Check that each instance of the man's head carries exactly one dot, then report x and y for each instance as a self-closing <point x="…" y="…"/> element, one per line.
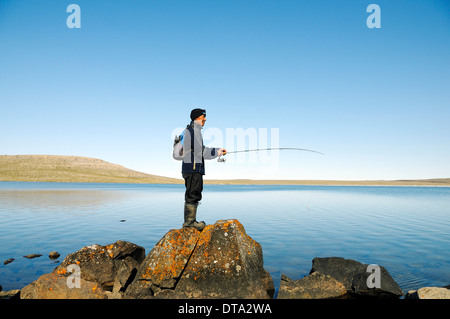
<point x="199" y="116"/>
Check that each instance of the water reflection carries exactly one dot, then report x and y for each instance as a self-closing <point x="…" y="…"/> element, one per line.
<point x="54" y="201"/>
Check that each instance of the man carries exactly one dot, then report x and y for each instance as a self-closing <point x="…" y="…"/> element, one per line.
<point x="193" y="167"/>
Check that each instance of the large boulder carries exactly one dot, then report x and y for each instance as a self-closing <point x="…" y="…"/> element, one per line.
<point x="222" y="261"/>
<point x="93" y="272"/>
<point x="354" y="276"/>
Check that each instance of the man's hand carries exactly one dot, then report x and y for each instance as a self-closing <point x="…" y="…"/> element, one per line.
<point x="222" y="152"/>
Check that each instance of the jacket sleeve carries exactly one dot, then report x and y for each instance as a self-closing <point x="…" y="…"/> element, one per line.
<point x="210" y="152"/>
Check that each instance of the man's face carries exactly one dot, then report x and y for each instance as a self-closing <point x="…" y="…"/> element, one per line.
<point x="201" y="120"/>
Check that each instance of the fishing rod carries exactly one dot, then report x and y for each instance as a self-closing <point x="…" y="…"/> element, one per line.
<point x="221" y="159"/>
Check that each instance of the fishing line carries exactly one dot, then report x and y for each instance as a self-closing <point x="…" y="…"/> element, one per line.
<point x="221" y="159"/>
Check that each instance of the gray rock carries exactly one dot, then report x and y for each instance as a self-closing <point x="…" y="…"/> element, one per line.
<point x="354" y="275"/>
<point x="125" y="273"/>
<point x="100" y="264"/>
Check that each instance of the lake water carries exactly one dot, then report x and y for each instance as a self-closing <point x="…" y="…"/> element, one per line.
<point x="405" y="229"/>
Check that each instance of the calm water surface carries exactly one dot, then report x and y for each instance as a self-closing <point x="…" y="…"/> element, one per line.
<point x="405" y="229"/>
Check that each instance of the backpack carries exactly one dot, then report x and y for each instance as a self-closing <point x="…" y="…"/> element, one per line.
<point x="178" y="152"/>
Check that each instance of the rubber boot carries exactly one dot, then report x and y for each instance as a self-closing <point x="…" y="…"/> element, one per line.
<point x="190" y="214"/>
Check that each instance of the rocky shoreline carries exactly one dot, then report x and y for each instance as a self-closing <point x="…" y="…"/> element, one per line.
<point x="221" y="262"/>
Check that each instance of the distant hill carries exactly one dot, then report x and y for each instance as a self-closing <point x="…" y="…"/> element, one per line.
<point x="53" y="168"/>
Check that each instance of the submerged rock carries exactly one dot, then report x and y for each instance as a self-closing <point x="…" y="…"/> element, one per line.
<point x="31" y="256"/>
<point x="53" y="255"/>
<point x="222" y="261"/>
<point x="8" y="261"/>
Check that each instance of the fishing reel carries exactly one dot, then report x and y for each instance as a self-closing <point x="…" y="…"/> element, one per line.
<point x="221" y="159"/>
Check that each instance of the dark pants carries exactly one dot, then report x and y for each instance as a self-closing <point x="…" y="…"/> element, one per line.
<point x="194" y="187"/>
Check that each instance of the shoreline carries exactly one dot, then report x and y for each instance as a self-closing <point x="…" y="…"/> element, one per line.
<point x="254" y="183"/>
<point x="402" y="183"/>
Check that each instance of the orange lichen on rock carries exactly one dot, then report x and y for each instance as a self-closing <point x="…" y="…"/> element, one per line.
<point x="61" y="271"/>
<point x="225" y="262"/>
<point x="217" y="250"/>
<point x="168" y="258"/>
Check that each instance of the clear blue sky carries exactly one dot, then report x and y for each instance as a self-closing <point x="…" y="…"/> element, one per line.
<point x="375" y="101"/>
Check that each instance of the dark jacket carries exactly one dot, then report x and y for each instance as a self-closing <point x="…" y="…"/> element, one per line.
<point x="194" y="150"/>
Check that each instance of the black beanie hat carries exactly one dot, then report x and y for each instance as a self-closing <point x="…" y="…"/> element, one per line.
<point x="196" y="113"/>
